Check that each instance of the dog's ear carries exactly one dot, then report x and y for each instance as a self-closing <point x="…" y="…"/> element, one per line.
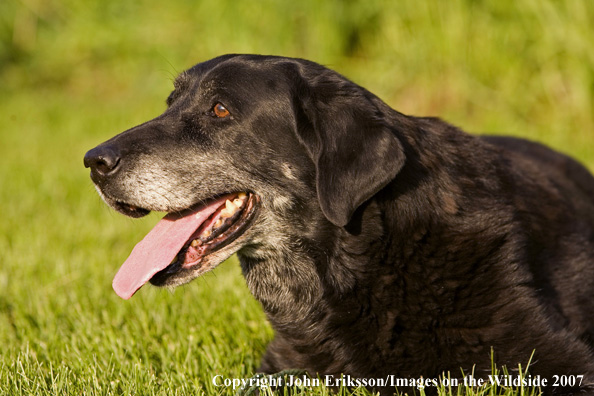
<point x="351" y="141"/>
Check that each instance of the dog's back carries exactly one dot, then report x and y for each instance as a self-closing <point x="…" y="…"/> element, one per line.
<point x="562" y="255"/>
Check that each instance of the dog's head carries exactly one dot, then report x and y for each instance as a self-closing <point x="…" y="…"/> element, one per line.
<point x="248" y="147"/>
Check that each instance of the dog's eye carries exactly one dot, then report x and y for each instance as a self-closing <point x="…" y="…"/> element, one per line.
<point x="220" y="111"/>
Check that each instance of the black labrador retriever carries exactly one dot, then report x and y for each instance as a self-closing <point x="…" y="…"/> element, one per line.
<point x="377" y="243"/>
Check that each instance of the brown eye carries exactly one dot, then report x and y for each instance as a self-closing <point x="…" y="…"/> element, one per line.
<point x="220" y="111"/>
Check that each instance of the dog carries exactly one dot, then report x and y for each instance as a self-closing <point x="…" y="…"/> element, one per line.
<point x="377" y="243"/>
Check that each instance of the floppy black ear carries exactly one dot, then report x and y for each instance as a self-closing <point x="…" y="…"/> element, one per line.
<point x="351" y="141"/>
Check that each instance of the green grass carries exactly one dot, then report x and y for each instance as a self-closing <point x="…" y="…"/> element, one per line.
<point x="73" y="73"/>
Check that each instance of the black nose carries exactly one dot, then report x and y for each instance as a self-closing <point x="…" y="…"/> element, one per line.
<point x="102" y="160"/>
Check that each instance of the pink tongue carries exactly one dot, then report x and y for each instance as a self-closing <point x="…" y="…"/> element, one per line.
<point x="159" y="247"/>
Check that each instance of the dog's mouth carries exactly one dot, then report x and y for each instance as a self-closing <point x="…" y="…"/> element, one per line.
<point x="181" y="241"/>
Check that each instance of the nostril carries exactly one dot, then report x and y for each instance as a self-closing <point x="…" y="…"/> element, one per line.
<point x="102" y="160"/>
<point x="104" y="165"/>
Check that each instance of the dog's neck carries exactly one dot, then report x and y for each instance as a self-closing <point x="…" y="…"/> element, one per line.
<point x="298" y="285"/>
<point x="287" y="285"/>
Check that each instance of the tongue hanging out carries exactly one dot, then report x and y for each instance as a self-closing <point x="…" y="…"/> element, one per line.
<point x="164" y="242"/>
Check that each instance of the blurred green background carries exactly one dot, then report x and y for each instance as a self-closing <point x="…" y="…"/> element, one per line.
<point x="74" y="73"/>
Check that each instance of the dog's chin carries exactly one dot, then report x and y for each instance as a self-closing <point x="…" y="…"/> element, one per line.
<point x="130" y="210"/>
<point x="122" y="207"/>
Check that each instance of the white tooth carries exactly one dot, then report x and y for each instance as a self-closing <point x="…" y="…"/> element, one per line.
<point x="206" y="233"/>
<point x="238" y="202"/>
<point x="196" y="242"/>
<point x="241" y="195"/>
<point x="218" y="223"/>
<point x="228" y="210"/>
<point x="230" y="206"/>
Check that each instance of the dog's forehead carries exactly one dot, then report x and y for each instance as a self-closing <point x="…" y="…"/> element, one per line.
<point x="236" y="69"/>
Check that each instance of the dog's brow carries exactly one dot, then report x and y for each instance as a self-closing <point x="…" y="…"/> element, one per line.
<point x="181" y="81"/>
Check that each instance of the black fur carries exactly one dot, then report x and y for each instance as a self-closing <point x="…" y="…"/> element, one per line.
<point x="385" y="244"/>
